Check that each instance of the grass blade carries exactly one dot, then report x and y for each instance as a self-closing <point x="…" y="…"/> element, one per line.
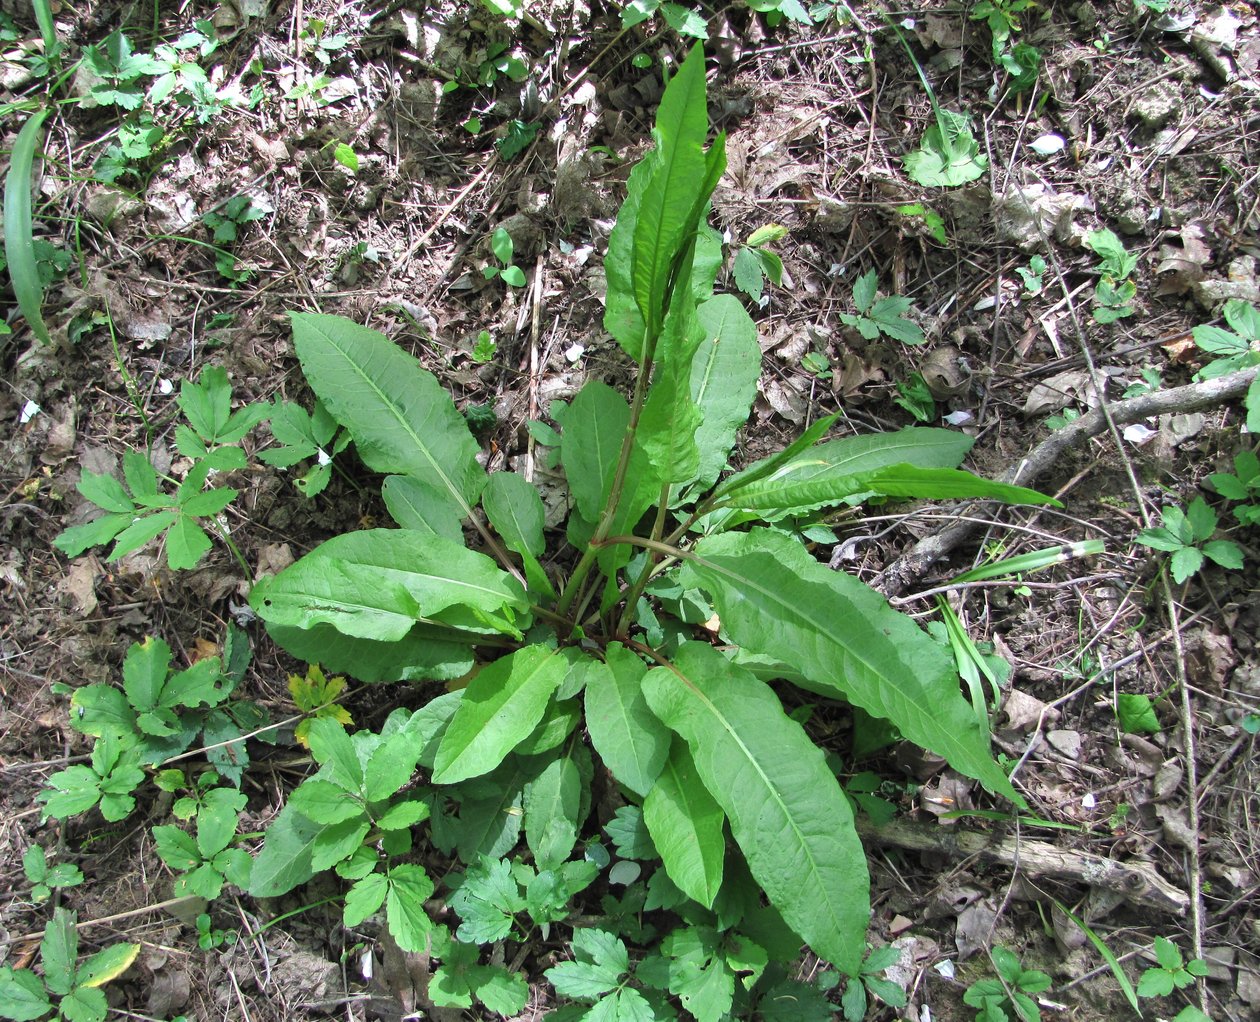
<point x="44" y="18"/>
<point x="1112" y="962"/>
<point x="19" y="239"/>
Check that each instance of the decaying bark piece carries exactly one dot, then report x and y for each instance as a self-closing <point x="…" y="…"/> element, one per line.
<point x="1137" y="882"/>
<point x="912" y="565"/>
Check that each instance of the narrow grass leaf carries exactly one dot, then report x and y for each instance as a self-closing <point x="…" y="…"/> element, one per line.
<point x="19" y="237"/>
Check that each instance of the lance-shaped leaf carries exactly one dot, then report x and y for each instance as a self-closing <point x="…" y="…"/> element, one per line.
<point x="665" y="199"/>
<point x="832" y="471"/>
<point x="500" y="707"/>
<point x="629" y="738"/>
<point x="516" y="511"/>
<point x="401" y="419"/>
<point x="553" y="804"/>
<point x="667" y="427"/>
<point x="786" y="810"/>
<point x="724" y="374"/>
<point x="845" y="640"/>
<point x="376" y="584"/>
<point x="420" y="507"/>
<point x="594" y="426"/>
<point x="19" y="238"/>
<point x="686" y="827"/>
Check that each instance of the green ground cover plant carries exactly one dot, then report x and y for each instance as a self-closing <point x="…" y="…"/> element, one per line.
<point x="719" y="785"/>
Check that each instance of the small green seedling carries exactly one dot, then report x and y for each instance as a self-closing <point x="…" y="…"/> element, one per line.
<point x="1171" y="973"/>
<point x="207" y="862"/>
<point x="483" y="351"/>
<point x="324" y="47"/>
<point x="915" y="397"/>
<point x="1062" y="419"/>
<point x="108" y="781"/>
<point x="67" y="990"/>
<point x="776" y="11"/>
<point x="494" y="892"/>
<point x="504" y="248"/>
<point x="1243" y="484"/>
<point x="754" y="262"/>
<point x="516" y="138"/>
<point x="1115" y="291"/>
<point x="1149" y="381"/>
<point x="932" y="220"/>
<point x="599" y="975"/>
<point x="817" y="364"/>
<point x="45" y="878"/>
<point x="991" y="996"/>
<point x="158" y="714"/>
<point x="1187" y="536"/>
<point x="886" y="316"/>
<point x="1032" y="275"/>
<point x="209" y="937"/>
<point x="317" y="695"/>
<point x="139" y="510"/>
<point x="683" y="20"/>
<point x="1237" y="350"/>
<point x="302" y="436"/>
<point x="460" y="980"/>
<point x="855" y="1000"/>
<point x="225" y="223"/>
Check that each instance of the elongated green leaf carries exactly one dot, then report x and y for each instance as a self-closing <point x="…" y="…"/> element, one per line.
<point x="500" y="707"/>
<point x="724" y="374"/>
<point x="786" y="810"/>
<point x="334" y="750"/>
<point x="759" y="470"/>
<point x="516" y="511"/>
<point x="401" y="419"/>
<point x="594" y="427"/>
<point x="417" y="506"/>
<point x="830" y="472"/>
<point x="664" y="219"/>
<point x="553" y="801"/>
<point x="421" y="655"/>
<point x="377" y="583"/>
<point x="44" y="19"/>
<point x="667" y="427"/>
<point x="629" y="738"/>
<point x="686" y="826"/>
<point x="845" y="640"/>
<point x="948" y="484"/>
<point x="19" y="237"/>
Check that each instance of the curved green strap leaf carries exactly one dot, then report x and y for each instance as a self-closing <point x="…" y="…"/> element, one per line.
<point x="724" y="374"/>
<point x="401" y="419"/>
<point x="630" y="740"/>
<point x="686" y="825"/>
<point x="831" y="471"/>
<point x="786" y="810"/>
<point x="845" y="640"/>
<point x="19" y="237"/>
<point x="501" y="706"/>
<point x="376" y="584"/>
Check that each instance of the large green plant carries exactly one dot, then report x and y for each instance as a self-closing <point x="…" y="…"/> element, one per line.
<point x="731" y="790"/>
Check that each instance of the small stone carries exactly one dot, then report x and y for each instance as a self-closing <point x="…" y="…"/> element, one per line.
<point x="1066" y="743"/>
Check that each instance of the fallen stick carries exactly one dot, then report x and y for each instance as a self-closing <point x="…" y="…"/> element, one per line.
<point x="914" y="563"/>
<point x="1135" y="881"/>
